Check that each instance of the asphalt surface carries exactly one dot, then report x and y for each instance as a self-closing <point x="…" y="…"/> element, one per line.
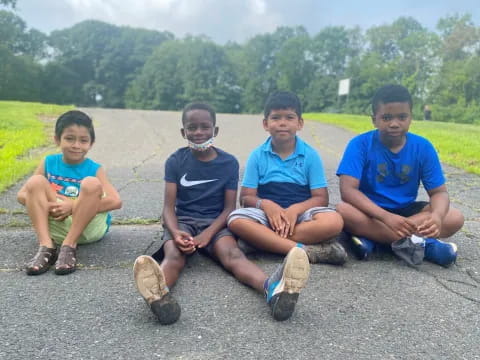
<point x="380" y="309"/>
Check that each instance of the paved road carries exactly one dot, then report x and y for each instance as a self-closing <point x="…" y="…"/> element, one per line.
<point x="379" y="309"/>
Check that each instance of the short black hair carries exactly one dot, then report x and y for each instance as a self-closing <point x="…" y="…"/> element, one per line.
<point x="389" y="94"/>
<point x="199" y="106"/>
<point x="74" y="117"/>
<point x="282" y="100"/>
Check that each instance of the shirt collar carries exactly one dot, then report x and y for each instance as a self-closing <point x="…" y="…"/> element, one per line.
<point x="299" y="147"/>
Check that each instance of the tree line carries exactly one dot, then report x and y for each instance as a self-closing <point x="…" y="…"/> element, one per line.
<point x="98" y="64"/>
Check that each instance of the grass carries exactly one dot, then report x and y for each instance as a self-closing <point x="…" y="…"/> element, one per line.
<point x="456" y="144"/>
<point x="25" y="130"/>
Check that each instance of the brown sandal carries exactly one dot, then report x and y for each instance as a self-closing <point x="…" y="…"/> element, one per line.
<point x="67" y="261"/>
<point x="41" y="262"/>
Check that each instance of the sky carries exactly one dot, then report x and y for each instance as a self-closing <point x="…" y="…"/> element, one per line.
<point x="238" y="20"/>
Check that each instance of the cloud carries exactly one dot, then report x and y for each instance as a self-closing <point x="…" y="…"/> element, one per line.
<point x="236" y="20"/>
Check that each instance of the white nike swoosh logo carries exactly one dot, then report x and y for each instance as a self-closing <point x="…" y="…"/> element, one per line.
<point x="185" y="182"/>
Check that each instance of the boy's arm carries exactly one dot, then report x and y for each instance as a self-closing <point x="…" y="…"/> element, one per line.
<point x="202" y="239"/>
<point x="182" y="239"/>
<point x="439" y="205"/>
<point x="350" y="193"/>
<point x="111" y="200"/>
<point x="22" y="193"/>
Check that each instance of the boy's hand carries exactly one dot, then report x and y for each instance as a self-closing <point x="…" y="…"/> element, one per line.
<point x="59" y="211"/>
<point x="430" y="227"/>
<point x="276" y="216"/>
<point x="184" y="242"/>
<point x="201" y="240"/>
<point x="291" y="217"/>
<point x="400" y="225"/>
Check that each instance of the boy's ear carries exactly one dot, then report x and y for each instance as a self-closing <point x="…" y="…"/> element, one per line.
<point x="182" y="131"/>
<point x="215" y="131"/>
<point x="265" y="124"/>
<point x="57" y="140"/>
<point x="300" y="123"/>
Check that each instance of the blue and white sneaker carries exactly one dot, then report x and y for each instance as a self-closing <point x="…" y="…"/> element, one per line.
<point x="283" y="286"/>
<point x="362" y="247"/>
<point x="440" y="252"/>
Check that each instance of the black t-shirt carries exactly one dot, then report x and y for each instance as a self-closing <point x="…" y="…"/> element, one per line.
<point x="201" y="185"/>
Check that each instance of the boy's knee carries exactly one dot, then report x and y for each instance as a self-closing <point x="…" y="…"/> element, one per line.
<point x="36" y="182"/>
<point x="456" y="219"/>
<point x="175" y="257"/>
<point x="235" y="223"/>
<point x="231" y="256"/>
<point x="91" y="185"/>
<point x="337" y="222"/>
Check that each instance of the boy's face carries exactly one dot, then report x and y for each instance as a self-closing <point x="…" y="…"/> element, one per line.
<point x="75" y="142"/>
<point x="393" y="120"/>
<point x="198" y="126"/>
<point x="283" y="124"/>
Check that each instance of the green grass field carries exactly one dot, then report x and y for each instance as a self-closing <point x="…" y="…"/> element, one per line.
<point x="455" y="143"/>
<point x="25" y="130"/>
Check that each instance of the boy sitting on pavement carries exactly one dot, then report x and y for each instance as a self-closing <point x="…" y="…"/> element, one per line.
<point x="68" y="197"/>
<point x="284" y="191"/>
<point x="380" y="174"/>
<point x="200" y="191"/>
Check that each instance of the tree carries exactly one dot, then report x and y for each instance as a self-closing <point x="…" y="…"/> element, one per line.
<point x="11" y="3"/>
<point x="105" y="57"/>
<point x="19" y="40"/>
<point x="456" y="91"/>
<point x="19" y="77"/>
<point x="332" y="50"/>
<point x="183" y="71"/>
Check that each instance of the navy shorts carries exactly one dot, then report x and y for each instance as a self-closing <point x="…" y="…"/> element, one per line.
<point x="193" y="226"/>
<point x="409" y="210"/>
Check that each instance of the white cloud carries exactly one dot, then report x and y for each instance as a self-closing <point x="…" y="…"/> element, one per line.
<point x="235" y="20"/>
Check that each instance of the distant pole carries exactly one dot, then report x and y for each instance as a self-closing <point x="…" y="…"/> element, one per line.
<point x="343" y="89"/>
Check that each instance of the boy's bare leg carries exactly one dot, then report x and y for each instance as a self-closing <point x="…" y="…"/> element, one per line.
<point x="38" y="195"/>
<point x="322" y="227"/>
<point x="85" y="209"/>
<point x="234" y="260"/>
<point x="261" y="236"/>
<point x="173" y="263"/>
<point x="358" y="223"/>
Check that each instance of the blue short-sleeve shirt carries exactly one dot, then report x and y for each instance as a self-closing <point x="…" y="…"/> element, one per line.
<point x="391" y="180"/>
<point x="286" y="181"/>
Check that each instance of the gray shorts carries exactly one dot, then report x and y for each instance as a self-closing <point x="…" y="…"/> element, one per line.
<point x="259" y="216"/>
<point x="193" y="226"/>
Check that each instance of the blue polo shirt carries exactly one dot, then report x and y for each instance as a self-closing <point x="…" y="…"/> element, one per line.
<point x="288" y="181"/>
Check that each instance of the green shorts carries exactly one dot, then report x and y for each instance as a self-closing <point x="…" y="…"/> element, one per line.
<point x="95" y="230"/>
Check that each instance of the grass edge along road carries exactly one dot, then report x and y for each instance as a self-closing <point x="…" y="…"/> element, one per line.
<point x="25" y="133"/>
<point x="26" y="129"/>
<point x="457" y="144"/>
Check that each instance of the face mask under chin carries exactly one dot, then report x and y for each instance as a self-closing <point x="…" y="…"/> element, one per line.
<point x="201" y="147"/>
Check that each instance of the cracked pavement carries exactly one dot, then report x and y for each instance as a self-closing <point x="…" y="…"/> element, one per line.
<point x="365" y="310"/>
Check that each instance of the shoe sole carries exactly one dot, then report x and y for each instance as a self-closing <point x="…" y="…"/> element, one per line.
<point x="149" y="279"/>
<point x="294" y="278"/>
<point x="151" y="284"/>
